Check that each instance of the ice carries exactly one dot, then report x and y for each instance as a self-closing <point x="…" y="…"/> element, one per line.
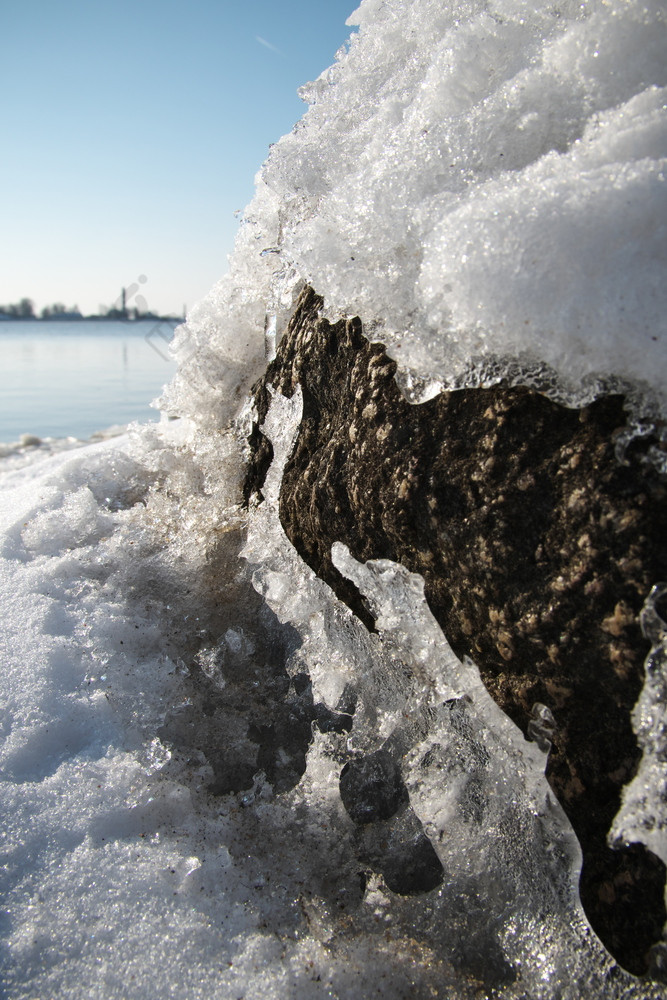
<point x="484" y="184"/>
<point x="643" y="815"/>
<point x="476" y="786"/>
<point x="475" y="181"/>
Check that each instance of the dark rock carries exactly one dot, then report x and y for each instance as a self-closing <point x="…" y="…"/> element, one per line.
<point x="372" y="788"/>
<point x="390" y="838"/>
<point x="409" y="868"/>
<point x="537" y="547"/>
<point x="412" y="868"/>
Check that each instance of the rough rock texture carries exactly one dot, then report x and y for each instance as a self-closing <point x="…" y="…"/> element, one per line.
<point x="537" y="547"/>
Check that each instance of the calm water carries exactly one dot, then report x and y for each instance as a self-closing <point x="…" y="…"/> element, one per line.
<point x="74" y="378"/>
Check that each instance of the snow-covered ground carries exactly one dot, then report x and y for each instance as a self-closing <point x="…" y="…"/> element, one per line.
<point x="478" y="181"/>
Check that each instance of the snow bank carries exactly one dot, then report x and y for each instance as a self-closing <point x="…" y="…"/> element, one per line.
<point x="475" y="180"/>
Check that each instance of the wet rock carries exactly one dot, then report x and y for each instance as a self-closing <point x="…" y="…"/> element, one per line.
<point x="412" y="867"/>
<point x="537" y="547"/>
<point x="372" y="788"/>
<point x="390" y="840"/>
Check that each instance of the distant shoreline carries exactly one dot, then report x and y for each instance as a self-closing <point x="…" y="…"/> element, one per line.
<point x="77" y="318"/>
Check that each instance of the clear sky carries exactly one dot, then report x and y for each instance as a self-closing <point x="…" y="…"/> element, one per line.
<point x="132" y="131"/>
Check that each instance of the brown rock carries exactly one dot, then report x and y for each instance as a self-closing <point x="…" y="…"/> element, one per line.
<point x="537" y="549"/>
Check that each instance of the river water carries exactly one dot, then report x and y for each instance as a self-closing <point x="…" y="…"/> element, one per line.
<point x="62" y="378"/>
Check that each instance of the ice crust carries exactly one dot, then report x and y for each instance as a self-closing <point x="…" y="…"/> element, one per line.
<point x="121" y="565"/>
<point x="483" y="183"/>
<point x="641" y="816"/>
<point x="476" y="181"/>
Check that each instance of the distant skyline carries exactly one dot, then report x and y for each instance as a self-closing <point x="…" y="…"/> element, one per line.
<point x="132" y="135"/>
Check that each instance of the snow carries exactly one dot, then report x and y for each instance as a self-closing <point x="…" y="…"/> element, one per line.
<point x="497" y="186"/>
<point x="481" y="182"/>
<point x="477" y="181"/>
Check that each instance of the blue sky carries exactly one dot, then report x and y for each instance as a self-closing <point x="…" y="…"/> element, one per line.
<point x="132" y="131"/>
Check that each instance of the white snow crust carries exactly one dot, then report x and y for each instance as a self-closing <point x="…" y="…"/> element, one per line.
<point x="483" y="183"/>
<point x="475" y="180"/>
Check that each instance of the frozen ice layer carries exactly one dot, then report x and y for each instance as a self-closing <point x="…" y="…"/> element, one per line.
<point x="125" y="876"/>
<point x="640" y="817"/>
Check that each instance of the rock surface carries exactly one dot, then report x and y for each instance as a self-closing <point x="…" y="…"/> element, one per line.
<point x="537" y="547"/>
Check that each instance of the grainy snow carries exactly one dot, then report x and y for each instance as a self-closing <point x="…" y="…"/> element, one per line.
<point x="476" y="179"/>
